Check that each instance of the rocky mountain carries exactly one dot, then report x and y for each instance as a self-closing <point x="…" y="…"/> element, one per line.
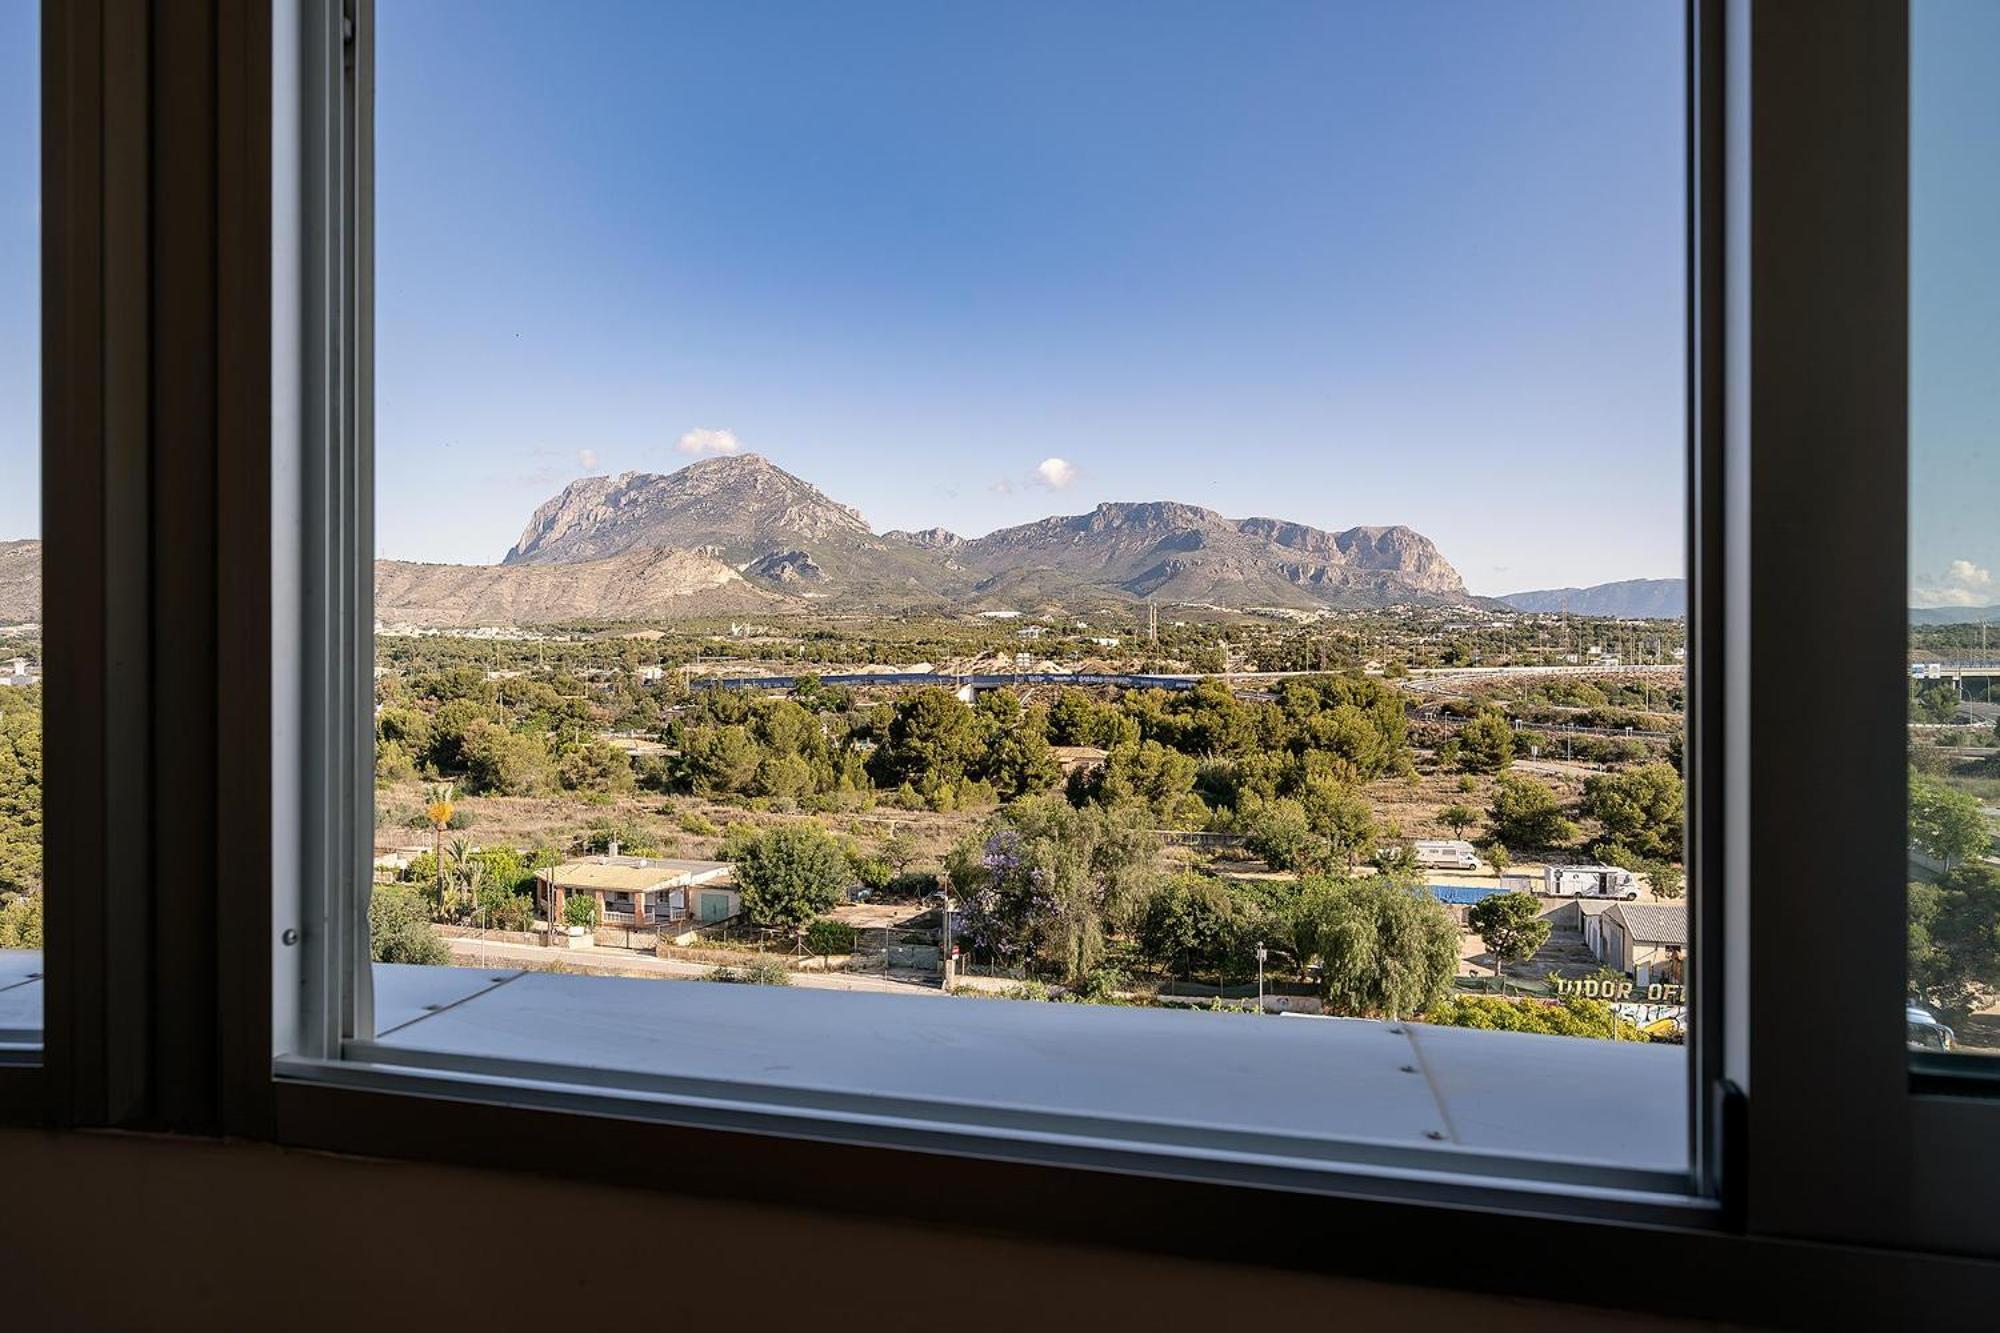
<point x="738" y="534"/>
<point x="1183" y="553"/>
<point x="933" y="539"/>
<point x="633" y="585"/>
<point x="745" y="511"/>
<point x="784" y="534"/>
<point x="1629" y="599"/>
<point x="20" y="582"/>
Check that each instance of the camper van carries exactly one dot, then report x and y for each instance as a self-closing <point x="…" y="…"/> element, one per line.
<point x="1589" y="882"/>
<point x="1445" y="855"/>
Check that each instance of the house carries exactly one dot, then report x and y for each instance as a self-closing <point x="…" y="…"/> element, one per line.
<point x="17" y="672"/>
<point x="1645" y="941"/>
<point x="640" y="890"/>
<point x="1073" y="757"/>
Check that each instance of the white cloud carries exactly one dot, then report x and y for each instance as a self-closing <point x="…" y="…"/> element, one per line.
<point x="1002" y="488"/>
<point x="586" y="459"/>
<point x="1054" y="473"/>
<point x="1962" y="584"/>
<point x="704" y="441"/>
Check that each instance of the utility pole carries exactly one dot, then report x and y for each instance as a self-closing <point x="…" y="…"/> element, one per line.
<point x="1261" y="954"/>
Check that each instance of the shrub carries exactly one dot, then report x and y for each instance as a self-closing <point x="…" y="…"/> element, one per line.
<point x="699" y="825"/>
<point x="826" y="936"/>
<point x="580" y="911"/>
<point x="400" y="930"/>
<point x="763" y="972"/>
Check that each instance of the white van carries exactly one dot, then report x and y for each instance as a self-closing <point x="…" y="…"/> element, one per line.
<point x="1445" y="855"/>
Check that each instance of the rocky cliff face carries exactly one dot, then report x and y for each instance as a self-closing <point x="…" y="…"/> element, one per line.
<point x="634" y="585"/>
<point x="747" y="512"/>
<point x="736" y="504"/>
<point x="1181" y="552"/>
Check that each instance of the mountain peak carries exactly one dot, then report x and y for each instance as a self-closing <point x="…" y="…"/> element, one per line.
<point x="741" y="504"/>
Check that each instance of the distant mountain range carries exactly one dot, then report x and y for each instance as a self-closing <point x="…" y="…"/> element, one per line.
<point x="739" y="535"/>
<point x="1954" y="615"/>
<point x="1630" y="599"/>
<point x="785" y="537"/>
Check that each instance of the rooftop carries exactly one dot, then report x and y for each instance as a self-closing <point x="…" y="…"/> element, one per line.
<point x="630" y="874"/>
<point x="1653" y="923"/>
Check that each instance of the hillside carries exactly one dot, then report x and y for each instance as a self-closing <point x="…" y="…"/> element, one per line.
<point x="1630" y="599"/>
<point x="636" y="585"/>
<point x="20" y="582"/>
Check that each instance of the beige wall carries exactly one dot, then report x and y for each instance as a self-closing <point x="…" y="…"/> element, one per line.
<point x="122" y="1232"/>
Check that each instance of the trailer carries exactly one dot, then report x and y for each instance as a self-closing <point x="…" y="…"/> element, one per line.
<point x="1590" y="882"/>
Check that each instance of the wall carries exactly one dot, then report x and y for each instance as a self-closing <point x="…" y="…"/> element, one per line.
<point x="119" y="1231"/>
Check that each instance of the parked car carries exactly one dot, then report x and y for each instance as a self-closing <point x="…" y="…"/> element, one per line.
<point x="1926" y="1033"/>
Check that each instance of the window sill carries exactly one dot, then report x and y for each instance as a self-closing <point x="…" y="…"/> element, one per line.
<point x="1263" y="1097"/>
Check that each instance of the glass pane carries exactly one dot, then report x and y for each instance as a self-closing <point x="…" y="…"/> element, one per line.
<point x="1954" y="892"/>
<point x="20" y="529"/>
<point x="885" y="502"/>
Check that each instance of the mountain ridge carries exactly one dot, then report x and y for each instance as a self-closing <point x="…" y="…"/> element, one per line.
<point x="1629" y="599"/>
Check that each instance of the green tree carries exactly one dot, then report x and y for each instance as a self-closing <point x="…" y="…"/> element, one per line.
<point x="20" y="789"/>
<point x="898" y="849"/>
<point x="499" y="762"/>
<point x="1458" y="818"/>
<point x="1045" y="883"/>
<point x="1188" y="923"/>
<point x="1933" y="703"/>
<point x="1954" y="941"/>
<point x="400" y="929"/>
<point x="1279" y="833"/>
<point x="595" y="766"/>
<point x="1525" y="813"/>
<point x="1385" y="946"/>
<point x="1642" y="810"/>
<point x="791" y="874"/>
<point x="1342" y="817"/>
<point x="1486" y="742"/>
<point x="932" y="741"/>
<point x="21" y="921"/>
<point x="1511" y="926"/>
<point x="1945" y="822"/>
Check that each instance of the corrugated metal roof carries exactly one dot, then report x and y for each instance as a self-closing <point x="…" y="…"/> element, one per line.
<point x="1653" y="923"/>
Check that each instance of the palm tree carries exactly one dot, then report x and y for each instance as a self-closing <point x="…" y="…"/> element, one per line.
<point x="439" y="809"/>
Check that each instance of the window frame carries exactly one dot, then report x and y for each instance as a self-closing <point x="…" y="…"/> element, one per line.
<point x="170" y="1018"/>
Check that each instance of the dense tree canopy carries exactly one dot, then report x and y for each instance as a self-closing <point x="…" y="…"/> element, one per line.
<point x="1954" y="944"/>
<point x="1525" y="813"/>
<point x="1642" y="810"/>
<point x="1946" y="823"/>
<point x="791" y="874"/>
<point x="1044" y="883"/>
<point x="1385" y="946"/>
<point x="20" y="789"/>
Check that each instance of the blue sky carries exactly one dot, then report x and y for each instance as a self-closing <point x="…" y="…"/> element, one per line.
<point x="1954" y="303"/>
<point x="1336" y="262"/>
<point x="1341" y="263"/>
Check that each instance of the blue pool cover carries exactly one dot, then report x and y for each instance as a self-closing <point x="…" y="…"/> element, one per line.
<point x="1464" y="895"/>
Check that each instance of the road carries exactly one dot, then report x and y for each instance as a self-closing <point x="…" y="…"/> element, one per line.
<point x="477" y="953"/>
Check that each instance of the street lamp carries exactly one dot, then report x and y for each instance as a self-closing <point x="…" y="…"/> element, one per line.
<point x="1261" y="955"/>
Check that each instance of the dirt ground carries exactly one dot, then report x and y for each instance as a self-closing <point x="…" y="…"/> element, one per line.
<point x="525" y="821"/>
